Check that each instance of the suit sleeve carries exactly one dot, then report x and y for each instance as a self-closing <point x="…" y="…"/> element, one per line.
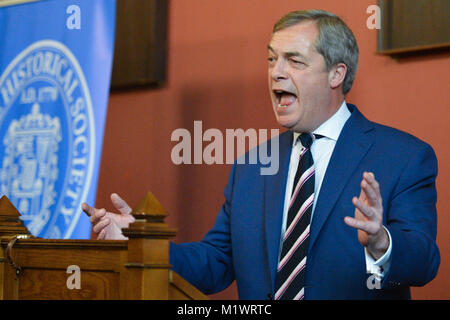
<point x="208" y="264"/>
<point x="412" y="223"/>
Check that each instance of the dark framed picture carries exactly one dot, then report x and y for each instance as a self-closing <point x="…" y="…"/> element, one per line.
<point x="140" y="48"/>
<point x="413" y="25"/>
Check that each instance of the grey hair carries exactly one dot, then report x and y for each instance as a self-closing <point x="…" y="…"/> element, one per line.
<point x="335" y="42"/>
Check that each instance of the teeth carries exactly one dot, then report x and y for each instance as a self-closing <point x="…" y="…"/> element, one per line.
<point x="281" y="106"/>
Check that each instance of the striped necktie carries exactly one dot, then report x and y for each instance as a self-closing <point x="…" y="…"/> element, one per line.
<point x="290" y="278"/>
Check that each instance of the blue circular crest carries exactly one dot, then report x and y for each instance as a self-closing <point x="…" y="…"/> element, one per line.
<point x="46" y="138"/>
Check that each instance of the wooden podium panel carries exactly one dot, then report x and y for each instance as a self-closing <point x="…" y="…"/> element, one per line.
<point x="35" y="268"/>
<point x="44" y="265"/>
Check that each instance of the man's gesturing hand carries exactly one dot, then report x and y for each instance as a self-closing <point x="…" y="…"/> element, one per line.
<point x="369" y="217"/>
<point x="109" y="225"/>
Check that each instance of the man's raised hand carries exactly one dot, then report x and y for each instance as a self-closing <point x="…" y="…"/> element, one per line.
<point x="109" y="225"/>
<point x="369" y="217"/>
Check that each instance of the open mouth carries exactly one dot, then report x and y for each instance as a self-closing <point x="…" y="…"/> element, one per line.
<point x="284" y="98"/>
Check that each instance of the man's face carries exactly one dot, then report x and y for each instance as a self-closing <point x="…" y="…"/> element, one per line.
<point x="298" y="80"/>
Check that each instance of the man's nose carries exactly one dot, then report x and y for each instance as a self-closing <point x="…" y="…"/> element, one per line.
<point x="278" y="71"/>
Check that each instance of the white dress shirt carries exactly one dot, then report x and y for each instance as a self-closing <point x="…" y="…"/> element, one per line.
<point x="321" y="151"/>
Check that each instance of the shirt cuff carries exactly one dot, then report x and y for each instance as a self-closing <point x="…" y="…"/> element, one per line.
<point x="381" y="266"/>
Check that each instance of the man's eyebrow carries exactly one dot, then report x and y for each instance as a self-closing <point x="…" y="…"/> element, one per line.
<point x="288" y="54"/>
<point x="293" y="54"/>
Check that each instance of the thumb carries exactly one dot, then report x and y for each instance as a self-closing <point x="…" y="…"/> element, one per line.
<point x="120" y="204"/>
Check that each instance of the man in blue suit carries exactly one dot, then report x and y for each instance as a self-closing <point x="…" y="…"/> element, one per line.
<point x="370" y="225"/>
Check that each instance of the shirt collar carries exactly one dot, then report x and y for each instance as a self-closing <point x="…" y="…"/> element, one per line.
<point x="331" y="128"/>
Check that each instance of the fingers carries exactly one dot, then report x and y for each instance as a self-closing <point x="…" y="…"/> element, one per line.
<point x="368" y="214"/>
<point x="369" y="202"/>
<point x="366" y="210"/>
<point x="101" y="225"/>
<point x="120" y="204"/>
<point x="370" y="177"/>
<point x="368" y="206"/>
<point x="366" y="226"/>
<point x="102" y="235"/>
<point x="87" y="209"/>
<point x="371" y="188"/>
<point x="98" y="219"/>
<point x="117" y="201"/>
<point x="97" y="215"/>
<point x="94" y="214"/>
<point x="107" y="225"/>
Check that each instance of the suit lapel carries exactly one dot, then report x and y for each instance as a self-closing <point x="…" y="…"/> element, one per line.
<point x="352" y="145"/>
<point x="274" y="194"/>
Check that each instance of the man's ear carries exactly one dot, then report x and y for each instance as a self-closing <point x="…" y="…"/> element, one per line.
<point x="337" y="74"/>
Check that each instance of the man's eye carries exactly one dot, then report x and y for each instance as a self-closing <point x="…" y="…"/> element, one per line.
<point x="296" y="61"/>
<point x="271" y="59"/>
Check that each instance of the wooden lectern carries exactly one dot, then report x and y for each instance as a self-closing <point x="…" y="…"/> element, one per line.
<point x="138" y="268"/>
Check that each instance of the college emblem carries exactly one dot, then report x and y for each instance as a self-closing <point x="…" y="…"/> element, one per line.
<point x="46" y="138"/>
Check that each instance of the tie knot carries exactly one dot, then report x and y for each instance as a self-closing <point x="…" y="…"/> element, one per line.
<point x="306" y="139"/>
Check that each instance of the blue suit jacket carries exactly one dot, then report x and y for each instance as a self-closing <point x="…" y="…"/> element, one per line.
<point x="245" y="240"/>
